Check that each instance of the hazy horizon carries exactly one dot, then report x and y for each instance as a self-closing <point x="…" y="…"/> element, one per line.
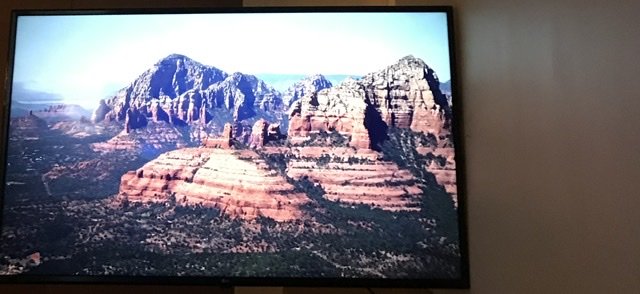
<point x="81" y="59"/>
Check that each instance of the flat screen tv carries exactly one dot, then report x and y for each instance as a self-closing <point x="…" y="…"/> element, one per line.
<point x="297" y="146"/>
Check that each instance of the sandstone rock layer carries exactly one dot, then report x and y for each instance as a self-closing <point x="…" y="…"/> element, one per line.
<point x="239" y="183"/>
<point x="355" y="177"/>
<point x="403" y="95"/>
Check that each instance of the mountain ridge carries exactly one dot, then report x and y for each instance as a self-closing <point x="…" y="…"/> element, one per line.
<point x="182" y="86"/>
<point x="182" y="91"/>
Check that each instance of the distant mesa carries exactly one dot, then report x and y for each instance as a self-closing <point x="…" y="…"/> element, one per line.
<point x="24" y="99"/>
<point x="28" y="127"/>
<point x="82" y="128"/>
<point x="50" y="113"/>
<point x="32" y="125"/>
<point x="30" y="121"/>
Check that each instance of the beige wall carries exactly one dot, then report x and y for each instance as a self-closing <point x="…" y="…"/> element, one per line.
<point x="552" y="135"/>
<point x="552" y="131"/>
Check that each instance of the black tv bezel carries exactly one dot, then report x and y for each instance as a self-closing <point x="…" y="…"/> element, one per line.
<point x="462" y="283"/>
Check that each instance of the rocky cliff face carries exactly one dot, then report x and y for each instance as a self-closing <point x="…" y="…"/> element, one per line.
<point x="243" y="95"/>
<point x="404" y="95"/>
<point x="341" y="109"/>
<point x="407" y="95"/>
<point x="225" y="141"/>
<point x="100" y="112"/>
<point x="351" y="176"/>
<point x="172" y="76"/>
<point x="308" y="85"/>
<point x="237" y="182"/>
<point x="182" y="91"/>
<point x="263" y="132"/>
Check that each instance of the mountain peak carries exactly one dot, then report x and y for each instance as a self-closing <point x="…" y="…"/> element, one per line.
<point x="317" y="80"/>
<point x="309" y="84"/>
<point x="315" y="77"/>
<point x="173" y="58"/>
<point x="176" y="56"/>
<point x="411" y="60"/>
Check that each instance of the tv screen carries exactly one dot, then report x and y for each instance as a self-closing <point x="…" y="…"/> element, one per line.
<point x="245" y="147"/>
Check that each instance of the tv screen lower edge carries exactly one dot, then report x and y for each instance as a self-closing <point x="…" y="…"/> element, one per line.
<point x="271" y="146"/>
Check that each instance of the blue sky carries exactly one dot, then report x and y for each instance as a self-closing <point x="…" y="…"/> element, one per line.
<point x="85" y="58"/>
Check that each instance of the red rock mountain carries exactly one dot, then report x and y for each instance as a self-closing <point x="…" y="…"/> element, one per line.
<point x="180" y="90"/>
<point x="236" y="181"/>
<point x="404" y="95"/>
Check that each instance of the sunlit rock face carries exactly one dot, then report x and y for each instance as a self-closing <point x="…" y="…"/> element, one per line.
<point x="238" y="182"/>
<point x="306" y="86"/>
<point x="403" y="95"/>
<point x="187" y="91"/>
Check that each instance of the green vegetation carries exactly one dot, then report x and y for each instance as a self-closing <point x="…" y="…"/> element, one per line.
<point x="428" y="140"/>
<point x="322" y="138"/>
